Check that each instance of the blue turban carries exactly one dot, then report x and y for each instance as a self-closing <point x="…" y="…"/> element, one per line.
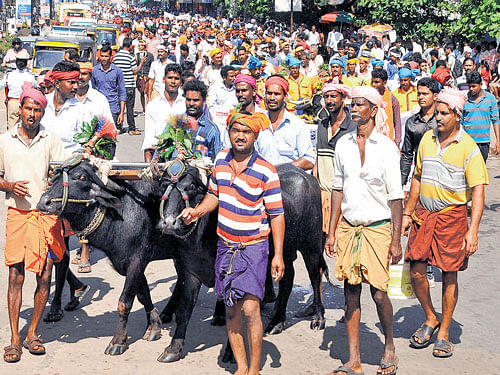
<point x="293" y="61"/>
<point x="405" y="72"/>
<point x="254" y="62"/>
<point x="376" y="62"/>
<point x="337" y="62"/>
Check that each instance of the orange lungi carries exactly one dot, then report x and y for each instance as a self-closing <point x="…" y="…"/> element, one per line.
<point x="29" y="235"/>
<point x="437" y="238"/>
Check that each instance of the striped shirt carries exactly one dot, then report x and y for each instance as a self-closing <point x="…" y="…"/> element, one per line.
<point x="477" y="117"/>
<point x="245" y="199"/>
<point x="447" y="174"/>
<point x="127" y="63"/>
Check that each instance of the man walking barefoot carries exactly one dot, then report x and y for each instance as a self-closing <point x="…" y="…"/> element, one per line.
<point x="251" y="197"/>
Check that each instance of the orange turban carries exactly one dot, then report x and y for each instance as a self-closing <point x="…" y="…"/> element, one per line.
<point x="256" y="122"/>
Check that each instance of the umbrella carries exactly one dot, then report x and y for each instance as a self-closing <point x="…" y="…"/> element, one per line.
<point x="337" y="17"/>
<point x="376" y="29"/>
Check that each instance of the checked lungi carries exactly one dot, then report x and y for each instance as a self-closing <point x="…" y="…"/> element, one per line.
<point x="240" y="269"/>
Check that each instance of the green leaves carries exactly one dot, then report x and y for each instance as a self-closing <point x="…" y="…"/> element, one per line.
<point x="432" y="20"/>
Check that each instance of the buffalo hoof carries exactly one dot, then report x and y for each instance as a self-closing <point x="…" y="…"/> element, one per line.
<point x="218" y="320"/>
<point x="276" y="329"/>
<point x="166" y="318"/>
<point x="152" y="334"/>
<point x="228" y="356"/>
<point x="318" y="323"/>
<point x="168" y="357"/>
<point x="116" y="349"/>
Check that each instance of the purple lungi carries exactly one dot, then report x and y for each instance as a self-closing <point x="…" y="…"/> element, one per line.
<point x="240" y="270"/>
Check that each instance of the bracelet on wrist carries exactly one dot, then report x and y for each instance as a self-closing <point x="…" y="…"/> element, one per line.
<point x="407" y="215"/>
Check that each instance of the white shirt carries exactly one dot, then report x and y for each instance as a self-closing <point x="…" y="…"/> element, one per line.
<point x="95" y="104"/>
<point x="222" y="96"/>
<point x="290" y="141"/>
<point x="368" y="188"/>
<point x="66" y="123"/>
<point x="314" y="38"/>
<point x="157" y="72"/>
<point x="211" y="76"/>
<point x="14" y="81"/>
<point x="311" y="70"/>
<point x="158" y="112"/>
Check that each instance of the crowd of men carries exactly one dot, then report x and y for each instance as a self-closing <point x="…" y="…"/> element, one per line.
<point x="402" y="138"/>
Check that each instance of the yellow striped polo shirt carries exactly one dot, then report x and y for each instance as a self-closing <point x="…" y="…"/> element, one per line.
<point x="447" y="174"/>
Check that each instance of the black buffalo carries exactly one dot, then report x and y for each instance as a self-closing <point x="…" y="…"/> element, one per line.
<point x="303" y="218"/>
<point x="129" y="236"/>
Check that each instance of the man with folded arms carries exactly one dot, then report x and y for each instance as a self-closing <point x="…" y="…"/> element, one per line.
<point x="34" y="241"/>
<point x="449" y="169"/>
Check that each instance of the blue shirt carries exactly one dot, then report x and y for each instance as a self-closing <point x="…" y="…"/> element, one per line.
<point x="111" y="84"/>
<point x="290" y="141"/>
<point x="477" y="117"/>
<point x="392" y="70"/>
<point x="207" y="138"/>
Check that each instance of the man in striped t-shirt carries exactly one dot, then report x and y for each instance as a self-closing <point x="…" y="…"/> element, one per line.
<point x="449" y="170"/>
<point x="125" y="60"/>
<point x="480" y="111"/>
<point x="246" y="188"/>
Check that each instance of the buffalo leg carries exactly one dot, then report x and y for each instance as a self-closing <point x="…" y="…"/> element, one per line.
<point x="190" y="291"/>
<point x="172" y="304"/>
<point x="277" y="323"/>
<point x="118" y="344"/>
<point x="314" y="269"/>
<point x="169" y="310"/>
<point x="153" y="330"/>
<point x="219" y="318"/>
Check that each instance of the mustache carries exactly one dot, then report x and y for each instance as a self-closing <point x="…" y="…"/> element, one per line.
<point x="354" y="114"/>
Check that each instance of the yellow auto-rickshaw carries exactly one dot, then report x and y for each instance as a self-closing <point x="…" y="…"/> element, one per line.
<point x="107" y="32"/>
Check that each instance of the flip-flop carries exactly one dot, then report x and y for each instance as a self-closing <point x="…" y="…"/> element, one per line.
<point x="347" y="370"/>
<point x="384" y="365"/>
<point x="421" y="333"/>
<point x="12" y="350"/>
<point x="444" y="346"/>
<point x="84" y="268"/>
<point x="32" y="342"/>
<point x="54" y="316"/>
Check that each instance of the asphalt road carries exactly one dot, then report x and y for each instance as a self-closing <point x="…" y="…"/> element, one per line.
<point x="76" y="344"/>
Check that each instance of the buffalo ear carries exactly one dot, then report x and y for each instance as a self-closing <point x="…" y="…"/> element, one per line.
<point x="106" y="199"/>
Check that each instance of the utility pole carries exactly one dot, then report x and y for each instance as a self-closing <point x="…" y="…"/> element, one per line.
<point x="291" y="17"/>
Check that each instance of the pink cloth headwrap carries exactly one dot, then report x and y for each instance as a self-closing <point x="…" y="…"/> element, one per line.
<point x="245" y="78"/>
<point x="453" y="98"/>
<point x="373" y="96"/>
<point x="30" y="92"/>
<point x="334" y="85"/>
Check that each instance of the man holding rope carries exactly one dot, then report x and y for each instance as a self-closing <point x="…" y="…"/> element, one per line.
<point x="241" y="262"/>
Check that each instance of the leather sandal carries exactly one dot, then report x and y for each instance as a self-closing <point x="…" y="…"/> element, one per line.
<point x="12" y="350"/>
<point x="33" y="342"/>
